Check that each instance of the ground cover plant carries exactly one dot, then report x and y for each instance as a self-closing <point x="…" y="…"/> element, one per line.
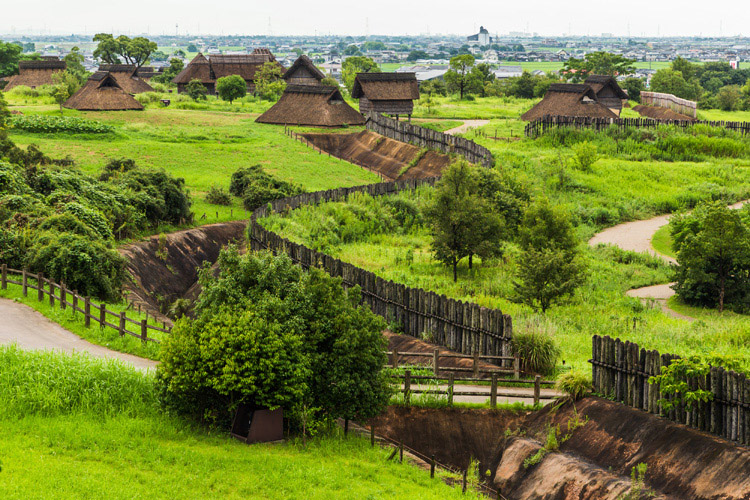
<point x="65" y="416"/>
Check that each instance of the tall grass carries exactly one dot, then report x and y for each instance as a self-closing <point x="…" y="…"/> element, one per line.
<point x="49" y="383"/>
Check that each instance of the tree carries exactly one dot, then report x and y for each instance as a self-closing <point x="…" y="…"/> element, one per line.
<point x="196" y="90"/>
<point x="329" y="81"/>
<point x="461" y="222"/>
<point x="74" y="65"/>
<point x="685" y="67"/>
<point x="370" y="45"/>
<point x="192" y="48"/>
<point x="633" y="86"/>
<point x="416" y="55"/>
<point x="713" y="256"/>
<point x="352" y="50"/>
<point x="174" y="68"/>
<point x="458" y="77"/>
<point x="481" y="76"/>
<point x="356" y="64"/>
<point x="669" y="81"/>
<point x="597" y="63"/>
<point x="550" y="265"/>
<point x="268" y="333"/>
<point x="231" y="87"/>
<point x="729" y="98"/>
<point x="269" y="81"/>
<point x="10" y="54"/>
<point x="135" y="51"/>
<point x="66" y="84"/>
<point x="523" y="86"/>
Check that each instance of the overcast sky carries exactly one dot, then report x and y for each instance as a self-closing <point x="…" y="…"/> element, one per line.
<point x="391" y="17"/>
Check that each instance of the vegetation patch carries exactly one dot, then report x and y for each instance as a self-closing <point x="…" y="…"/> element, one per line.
<point x="53" y="124"/>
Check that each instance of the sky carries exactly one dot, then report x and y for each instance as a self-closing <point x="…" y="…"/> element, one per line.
<point x="387" y="17"/>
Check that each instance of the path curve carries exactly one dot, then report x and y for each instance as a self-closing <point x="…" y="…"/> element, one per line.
<point x="467" y="125"/>
<point x="636" y="236"/>
<point x="30" y="330"/>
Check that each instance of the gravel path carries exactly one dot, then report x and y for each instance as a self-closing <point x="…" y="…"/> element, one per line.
<point x="32" y="331"/>
<point x="468" y="125"/>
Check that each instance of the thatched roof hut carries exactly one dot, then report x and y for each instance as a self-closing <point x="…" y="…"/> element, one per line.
<point x="303" y="72"/>
<point x="569" y="99"/>
<point x="312" y="105"/>
<point x="35" y="73"/>
<point x="389" y="93"/>
<point x="608" y="92"/>
<point x="208" y="70"/>
<point x="126" y="76"/>
<point x="102" y="92"/>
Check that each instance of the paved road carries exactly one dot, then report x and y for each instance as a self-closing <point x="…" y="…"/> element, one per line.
<point x="32" y="331"/>
<point x="468" y="125"/>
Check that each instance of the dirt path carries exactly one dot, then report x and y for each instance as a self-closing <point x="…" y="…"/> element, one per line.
<point x="32" y="331"/>
<point x="468" y="125"/>
<point x="506" y="395"/>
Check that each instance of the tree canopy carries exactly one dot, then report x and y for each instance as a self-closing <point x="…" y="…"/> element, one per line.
<point x="111" y="50"/>
<point x="356" y="64"/>
<point x="597" y="63"/>
<point x="459" y="77"/>
<point x="269" y="81"/>
<point x="231" y="87"/>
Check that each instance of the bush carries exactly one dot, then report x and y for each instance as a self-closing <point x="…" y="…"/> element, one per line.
<point x="257" y="187"/>
<point x="231" y="87"/>
<point x="574" y="384"/>
<point x="53" y="124"/>
<point x="537" y="351"/>
<point x="196" y="90"/>
<point x="217" y="196"/>
<point x="586" y="155"/>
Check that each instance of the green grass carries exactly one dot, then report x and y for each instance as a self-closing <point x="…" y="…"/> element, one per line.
<point x="76" y="427"/>
<point x="662" y="242"/>
<point x="439" y="125"/>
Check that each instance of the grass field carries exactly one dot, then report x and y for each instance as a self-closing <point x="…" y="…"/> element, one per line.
<point x="75" y="427"/>
<point x="662" y="242"/>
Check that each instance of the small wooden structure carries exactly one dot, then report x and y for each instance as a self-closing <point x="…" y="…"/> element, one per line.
<point x="208" y="70"/>
<point x="569" y="99"/>
<point x="388" y="93"/>
<point x="607" y="91"/>
<point x="127" y="78"/>
<point x="102" y="92"/>
<point x="303" y="72"/>
<point x="34" y="74"/>
<point x="312" y="105"/>
<point x="258" y="425"/>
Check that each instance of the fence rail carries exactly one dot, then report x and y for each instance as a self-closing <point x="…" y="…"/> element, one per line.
<point x="427" y="138"/>
<point x="58" y="293"/>
<point x="459" y="326"/>
<point x="622" y="369"/>
<point x="669" y="101"/>
<point x="540" y="126"/>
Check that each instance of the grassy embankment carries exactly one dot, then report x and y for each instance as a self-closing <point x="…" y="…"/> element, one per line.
<point x="76" y="427"/>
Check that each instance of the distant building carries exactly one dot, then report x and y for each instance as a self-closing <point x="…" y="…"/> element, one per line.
<point x="303" y="72"/>
<point x="569" y="99"/>
<point x="208" y="70"/>
<point x="608" y="92"/>
<point x="388" y="93"/>
<point x="127" y="78"/>
<point x="34" y="74"/>
<point x="102" y="92"/>
<point x="482" y="38"/>
<point x="313" y="106"/>
<point x="504" y="72"/>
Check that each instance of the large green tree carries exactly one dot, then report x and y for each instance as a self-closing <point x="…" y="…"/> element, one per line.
<point x="459" y="77"/>
<point x="269" y="81"/>
<point x="356" y="64"/>
<point x="597" y="63"/>
<point x="175" y="66"/>
<point x="669" y="81"/>
<point x="231" y="87"/>
<point x="10" y="54"/>
<point x="113" y="50"/>
<point x="74" y="65"/>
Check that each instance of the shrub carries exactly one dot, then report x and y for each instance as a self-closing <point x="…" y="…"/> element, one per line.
<point x="586" y="155"/>
<point x="257" y="187"/>
<point x="53" y="124"/>
<point x="574" y="384"/>
<point x="231" y="87"/>
<point x="196" y="90"/>
<point x="217" y="196"/>
<point x="537" y="351"/>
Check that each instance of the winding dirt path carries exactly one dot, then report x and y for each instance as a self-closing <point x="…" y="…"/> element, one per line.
<point x="31" y="331"/>
<point x="467" y="125"/>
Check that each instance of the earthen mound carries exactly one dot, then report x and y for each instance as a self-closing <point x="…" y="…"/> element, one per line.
<point x="658" y="113"/>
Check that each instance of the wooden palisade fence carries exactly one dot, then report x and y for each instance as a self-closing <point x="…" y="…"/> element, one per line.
<point x="459" y="326"/>
<point x="539" y="126"/>
<point x="621" y="370"/>
<point x="58" y="294"/>
<point x="430" y="139"/>
<point x="669" y="101"/>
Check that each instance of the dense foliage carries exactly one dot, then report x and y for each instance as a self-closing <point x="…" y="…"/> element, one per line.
<point x="256" y="187"/>
<point x="269" y="334"/>
<point x="269" y="83"/>
<point x="231" y="87"/>
<point x="54" y="124"/>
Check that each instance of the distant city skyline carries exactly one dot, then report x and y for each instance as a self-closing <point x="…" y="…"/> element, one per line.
<point x="386" y="17"/>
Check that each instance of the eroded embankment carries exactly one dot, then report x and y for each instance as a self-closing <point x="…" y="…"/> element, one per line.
<point x="659" y="113"/>
<point x="593" y="464"/>
<point x="161" y="273"/>
<point x="383" y="155"/>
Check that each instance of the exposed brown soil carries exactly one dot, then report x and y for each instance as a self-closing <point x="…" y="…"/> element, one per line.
<point x="658" y="113"/>
<point x="381" y="154"/>
<point x="154" y="279"/>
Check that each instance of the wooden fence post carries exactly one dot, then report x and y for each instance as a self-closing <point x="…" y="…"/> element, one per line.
<point x="401" y="451"/>
<point x="435" y="362"/>
<point x="75" y="302"/>
<point x="4" y="276"/>
<point x="51" y="293"/>
<point x="432" y="466"/>
<point x="102" y="315"/>
<point x="394" y="360"/>
<point x="450" y="389"/>
<point x="40" y="287"/>
<point x="516" y="367"/>
<point x="476" y="362"/>
<point x="463" y="481"/>
<point x="493" y="391"/>
<point x="346" y="427"/>
<point x="87" y="311"/>
<point x="144" y="330"/>
<point x="63" y="294"/>
<point x="407" y="387"/>
<point x="25" y="283"/>
<point x="537" y="389"/>
<point x="122" y="323"/>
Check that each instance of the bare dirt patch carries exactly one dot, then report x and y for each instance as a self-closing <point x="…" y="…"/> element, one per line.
<point x="658" y="113"/>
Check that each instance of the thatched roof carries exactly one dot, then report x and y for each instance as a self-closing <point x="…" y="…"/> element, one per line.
<point x="125" y="74"/>
<point x="102" y="92"/>
<point x="305" y="65"/>
<point x="35" y="73"/>
<point x="312" y="105"/>
<point x="217" y="66"/>
<point x="599" y="82"/>
<point x="569" y="99"/>
<point x="386" y="86"/>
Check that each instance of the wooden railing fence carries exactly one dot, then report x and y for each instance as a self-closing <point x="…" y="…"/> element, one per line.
<point x="512" y="363"/>
<point x="58" y="294"/>
<point x="459" y="326"/>
<point x="669" y="101"/>
<point x="539" y="126"/>
<point x="430" y="139"/>
<point x="621" y="370"/>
